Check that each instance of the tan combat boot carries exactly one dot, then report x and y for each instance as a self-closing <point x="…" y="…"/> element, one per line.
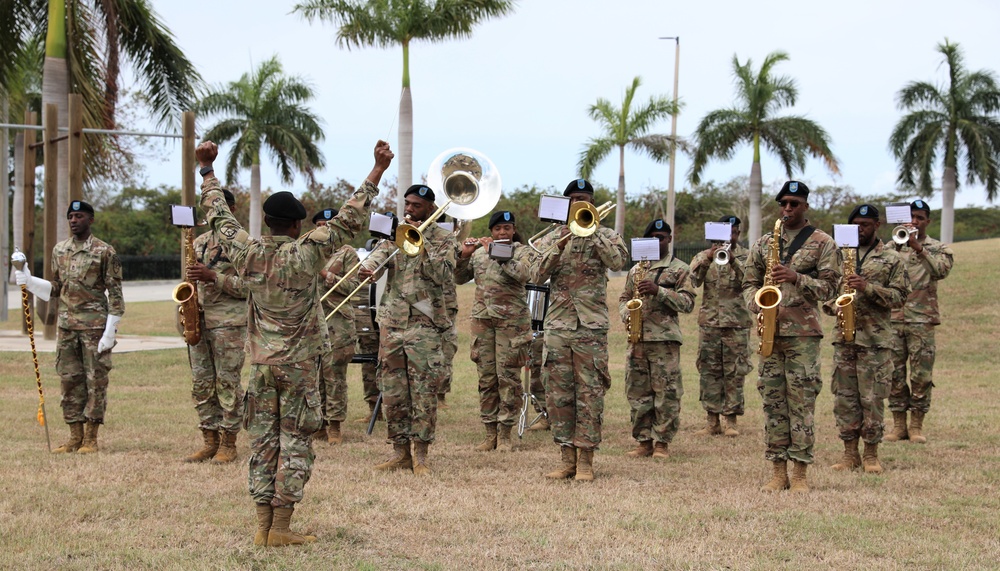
<point x="644" y="449"/>
<point x="227" y="448"/>
<point x="872" y="465"/>
<point x="420" y="467"/>
<point x="75" y="439"/>
<point x="542" y="424"/>
<point x="585" y="466"/>
<point x="851" y="458"/>
<point x="401" y="459"/>
<point x="280" y="534"/>
<point x="89" y="445"/>
<point x="731" y="430"/>
<point x="712" y="427"/>
<point x="208" y="449"/>
<point x="333" y="434"/>
<point x="899" y="431"/>
<point x="568" y="468"/>
<point x="320" y="435"/>
<point x="916" y="427"/>
<point x="442" y="402"/>
<point x="504" y="442"/>
<point x="799" y="483"/>
<point x="490" y="442"/>
<point x="265" y="514"/>
<point x="660" y="451"/>
<point x="779" y="477"/>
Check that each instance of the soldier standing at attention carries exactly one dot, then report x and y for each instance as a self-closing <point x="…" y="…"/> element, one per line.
<point x="217" y="359"/>
<point x="575" y="369"/>
<point x="412" y="318"/>
<point x="724" y="333"/>
<point x="333" y="367"/>
<point x="927" y="261"/>
<point x="83" y="269"/>
<point x="861" y="367"/>
<point x="501" y="326"/>
<point x="789" y="379"/>
<point x="449" y="337"/>
<point x="286" y="334"/>
<point x="653" y="379"/>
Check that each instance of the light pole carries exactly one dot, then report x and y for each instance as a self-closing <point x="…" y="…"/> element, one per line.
<point x="673" y="137"/>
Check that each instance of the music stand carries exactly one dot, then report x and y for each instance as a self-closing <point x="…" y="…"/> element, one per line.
<point x="538" y="306"/>
<point x="363" y="358"/>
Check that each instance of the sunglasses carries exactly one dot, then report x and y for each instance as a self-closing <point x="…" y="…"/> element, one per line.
<point x="792" y="203"/>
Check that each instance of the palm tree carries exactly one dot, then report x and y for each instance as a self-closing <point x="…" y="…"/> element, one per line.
<point x="760" y="95"/>
<point x="627" y="127"/>
<point x="265" y="109"/>
<point x="385" y="23"/>
<point x="958" y="119"/>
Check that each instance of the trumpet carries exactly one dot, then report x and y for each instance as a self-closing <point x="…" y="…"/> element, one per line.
<point x="722" y="254"/>
<point x="584" y="220"/>
<point x="901" y="234"/>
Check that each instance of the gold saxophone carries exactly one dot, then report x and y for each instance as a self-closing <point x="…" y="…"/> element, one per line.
<point x="768" y="297"/>
<point x="633" y="323"/>
<point x="845" y="318"/>
<point x="186" y="296"/>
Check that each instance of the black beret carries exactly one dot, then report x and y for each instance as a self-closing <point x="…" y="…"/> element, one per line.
<point x="421" y="190"/>
<point x="326" y="214"/>
<point x="658" y="225"/>
<point x="730" y="219"/>
<point x="920" y="205"/>
<point x="230" y="197"/>
<point x="79" y="206"/>
<point x="578" y="185"/>
<point x="501" y="217"/>
<point x="794" y="188"/>
<point x="284" y="205"/>
<point x="863" y="211"/>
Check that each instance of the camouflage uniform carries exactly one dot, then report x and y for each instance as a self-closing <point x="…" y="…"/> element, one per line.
<point x="367" y="335"/>
<point x="724" y="331"/>
<point x="914" y="325"/>
<point x="81" y="273"/>
<point x="413" y="316"/>
<point x="333" y="366"/>
<point x="789" y="379"/>
<point x="653" y="384"/>
<point x="575" y="363"/>
<point x="501" y="329"/>
<point x="861" y="369"/>
<point x="286" y="335"/>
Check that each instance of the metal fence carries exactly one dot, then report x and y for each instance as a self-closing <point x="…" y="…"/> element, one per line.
<point x="140" y="267"/>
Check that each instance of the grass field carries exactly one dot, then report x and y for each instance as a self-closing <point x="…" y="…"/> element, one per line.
<point x="136" y="505"/>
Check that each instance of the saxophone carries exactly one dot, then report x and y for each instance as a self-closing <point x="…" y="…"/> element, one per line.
<point x="845" y="318"/>
<point x="768" y="297"/>
<point x="186" y="296"/>
<point x="633" y="323"/>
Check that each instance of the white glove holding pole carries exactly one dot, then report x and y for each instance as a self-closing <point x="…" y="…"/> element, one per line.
<point x="110" y="330"/>
<point x="41" y="288"/>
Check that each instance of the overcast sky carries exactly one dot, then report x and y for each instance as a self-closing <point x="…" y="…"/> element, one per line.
<point x="519" y="89"/>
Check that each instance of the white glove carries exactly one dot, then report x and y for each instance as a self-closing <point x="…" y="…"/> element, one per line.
<point x="38" y="286"/>
<point x="110" y="330"/>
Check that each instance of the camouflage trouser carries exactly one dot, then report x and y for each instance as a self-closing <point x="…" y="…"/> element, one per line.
<point x="368" y="345"/>
<point x="333" y="382"/>
<point x="535" y="366"/>
<point x="788" y="384"/>
<point x="283" y="410"/>
<point x="216" y="366"/>
<point x="410" y="370"/>
<point x="860" y="383"/>
<point x="723" y="362"/>
<point x="449" y="346"/>
<point x="654" y="389"/>
<point x="913" y="343"/>
<point x="499" y="350"/>
<point x="84" y="375"/>
<point x="575" y="375"/>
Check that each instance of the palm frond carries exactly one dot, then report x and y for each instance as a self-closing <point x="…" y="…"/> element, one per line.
<point x="804" y="136"/>
<point x="718" y="135"/>
<point x="593" y="153"/>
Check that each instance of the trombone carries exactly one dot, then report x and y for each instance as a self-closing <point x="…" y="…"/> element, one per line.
<point x="584" y="220"/>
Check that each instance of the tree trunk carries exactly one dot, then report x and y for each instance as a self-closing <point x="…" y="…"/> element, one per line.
<point x="620" y="209"/>
<point x="948" y="184"/>
<point x="55" y="89"/>
<point x="255" y="205"/>
<point x="405" y="178"/>
<point x="754" y="225"/>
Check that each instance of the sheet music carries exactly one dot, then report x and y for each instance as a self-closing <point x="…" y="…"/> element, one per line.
<point x="845" y="235"/>
<point x="182" y="216"/>
<point x="898" y="213"/>
<point x="645" y="249"/>
<point x="553" y="208"/>
<point x="718" y="231"/>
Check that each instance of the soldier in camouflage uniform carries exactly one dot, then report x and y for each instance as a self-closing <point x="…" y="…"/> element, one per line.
<point x="927" y="262"/>
<point x="217" y="359"/>
<point x="724" y="332"/>
<point x="501" y="326"/>
<point x="412" y="318"/>
<point x="535" y="380"/>
<point x="286" y="335"/>
<point x="575" y="364"/>
<point x="449" y="338"/>
<point x="653" y="384"/>
<point x="83" y="269"/>
<point x="861" y="370"/>
<point x="789" y="379"/>
<point x="367" y="334"/>
<point x="333" y="366"/>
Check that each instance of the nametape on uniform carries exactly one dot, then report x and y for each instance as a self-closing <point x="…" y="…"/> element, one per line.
<point x="553" y="208"/>
<point x="718" y="231"/>
<point x="645" y="249"/>
<point x="380" y="225"/>
<point x="845" y="235"/>
<point x="183" y="216"/>
<point x="898" y="213"/>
